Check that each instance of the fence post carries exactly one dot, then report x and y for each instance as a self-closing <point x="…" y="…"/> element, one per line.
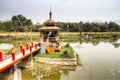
<point x="30" y="48"/>
<point x="13" y="54"/>
<point x="20" y="47"/>
<point x="32" y="44"/>
<point x="35" y="46"/>
<point x="27" y="46"/>
<point x="23" y="51"/>
<point x="1" y="55"/>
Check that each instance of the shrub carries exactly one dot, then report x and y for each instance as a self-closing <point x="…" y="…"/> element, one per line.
<point x="67" y="45"/>
<point x="65" y="54"/>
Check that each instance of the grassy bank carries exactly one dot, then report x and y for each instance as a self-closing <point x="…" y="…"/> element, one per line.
<point x="66" y="52"/>
<point x="93" y="37"/>
<point x="61" y="33"/>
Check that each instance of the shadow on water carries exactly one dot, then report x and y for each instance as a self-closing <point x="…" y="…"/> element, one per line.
<point x="15" y="71"/>
<point x="7" y="74"/>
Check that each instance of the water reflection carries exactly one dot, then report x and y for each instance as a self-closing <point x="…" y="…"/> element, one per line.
<point x="17" y="73"/>
<point x="117" y="44"/>
<point x="7" y="75"/>
<point x="5" y="46"/>
<point x="100" y="60"/>
<point x="115" y="41"/>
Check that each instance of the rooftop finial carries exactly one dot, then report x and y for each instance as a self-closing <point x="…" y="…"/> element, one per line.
<point x="50" y="13"/>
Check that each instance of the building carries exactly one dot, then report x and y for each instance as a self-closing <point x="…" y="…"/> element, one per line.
<point x="50" y="33"/>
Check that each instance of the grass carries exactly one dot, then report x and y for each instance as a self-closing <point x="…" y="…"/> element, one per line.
<point x="24" y="38"/>
<point x="17" y="41"/>
<point x="71" y="38"/>
<point x="61" y="33"/>
<point x="67" y="52"/>
<point x="37" y="62"/>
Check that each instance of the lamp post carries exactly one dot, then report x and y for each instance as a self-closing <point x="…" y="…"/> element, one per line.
<point x="30" y="33"/>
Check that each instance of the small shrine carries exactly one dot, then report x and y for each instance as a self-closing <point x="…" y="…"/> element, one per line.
<point x="50" y="35"/>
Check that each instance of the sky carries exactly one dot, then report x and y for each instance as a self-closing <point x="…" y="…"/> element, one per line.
<point x="62" y="10"/>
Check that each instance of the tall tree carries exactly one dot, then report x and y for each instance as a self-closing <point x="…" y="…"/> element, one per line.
<point x="7" y="26"/>
<point x="28" y="24"/>
<point x="19" y="21"/>
<point x="113" y="26"/>
<point x="80" y="27"/>
<point x="16" y="23"/>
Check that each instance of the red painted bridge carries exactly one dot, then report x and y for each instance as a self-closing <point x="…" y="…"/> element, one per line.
<point x="9" y="61"/>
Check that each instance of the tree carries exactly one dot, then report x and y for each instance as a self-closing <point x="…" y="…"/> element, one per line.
<point x="0" y="25"/>
<point x="20" y="23"/>
<point x="80" y="27"/>
<point x="16" y="23"/>
<point x="7" y="26"/>
<point x="87" y="27"/>
<point x="113" y="26"/>
<point x="95" y="27"/>
<point x="28" y="24"/>
<point x="104" y="27"/>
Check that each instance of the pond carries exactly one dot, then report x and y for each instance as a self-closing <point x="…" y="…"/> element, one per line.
<point x="99" y="62"/>
<point x="5" y="46"/>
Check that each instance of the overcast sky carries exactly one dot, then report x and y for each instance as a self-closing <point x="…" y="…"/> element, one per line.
<point x="63" y="10"/>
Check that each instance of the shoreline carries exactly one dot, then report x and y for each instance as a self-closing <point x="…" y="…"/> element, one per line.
<point x="58" y="61"/>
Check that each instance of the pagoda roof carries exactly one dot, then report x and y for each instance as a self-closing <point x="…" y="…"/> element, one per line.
<point x="49" y="22"/>
<point x="51" y="28"/>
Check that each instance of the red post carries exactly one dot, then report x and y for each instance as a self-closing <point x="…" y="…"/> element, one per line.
<point x="32" y="44"/>
<point x="27" y="46"/>
<point x="35" y="46"/>
<point x="21" y="48"/>
<point x="23" y="51"/>
<point x="13" y="54"/>
<point x="30" y="48"/>
<point x="1" y="56"/>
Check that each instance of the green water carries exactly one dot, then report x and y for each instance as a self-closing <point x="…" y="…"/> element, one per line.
<point x="100" y="60"/>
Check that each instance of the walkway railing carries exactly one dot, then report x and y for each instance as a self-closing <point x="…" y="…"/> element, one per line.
<point x="25" y="51"/>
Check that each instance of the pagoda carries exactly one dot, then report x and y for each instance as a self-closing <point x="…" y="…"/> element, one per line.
<point x="50" y="33"/>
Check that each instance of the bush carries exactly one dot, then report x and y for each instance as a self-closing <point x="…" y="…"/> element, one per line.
<point x="67" y="45"/>
<point x="69" y="52"/>
<point x="65" y="54"/>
